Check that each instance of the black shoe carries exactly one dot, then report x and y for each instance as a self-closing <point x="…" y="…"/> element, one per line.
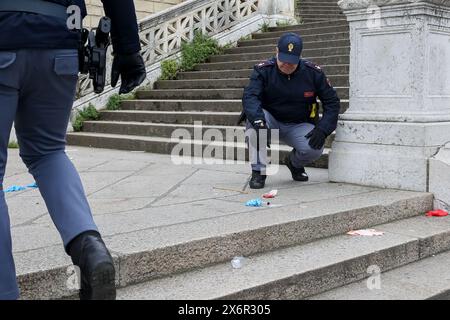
<point x="89" y="253"/>
<point x="298" y="174"/>
<point x="258" y="180"/>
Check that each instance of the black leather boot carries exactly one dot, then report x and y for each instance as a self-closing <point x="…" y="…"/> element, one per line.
<point x="89" y="253"/>
<point x="298" y="174"/>
<point x="258" y="180"/>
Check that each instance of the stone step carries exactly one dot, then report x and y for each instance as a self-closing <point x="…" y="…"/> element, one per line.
<point x="328" y="16"/>
<point x="310" y="25"/>
<point x="152" y="252"/>
<point x="427" y="279"/>
<point x="237" y="65"/>
<point x="334" y="11"/>
<point x="298" y="272"/>
<point x="316" y="52"/>
<point x="173" y="117"/>
<point x="303" y="32"/>
<point x="317" y="8"/>
<point x="183" y="105"/>
<point x="211" y="94"/>
<point x="216" y="74"/>
<point x="192" y="105"/>
<point x="303" y="3"/>
<point x="306" y="46"/>
<point x="266" y="55"/>
<point x="307" y="17"/>
<point x="164" y="130"/>
<point x="167" y="145"/>
<point x="341" y="80"/>
<point x="318" y="2"/>
<point x="307" y="38"/>
<point x="220" y="83"/>
<point x="202" y="84"/>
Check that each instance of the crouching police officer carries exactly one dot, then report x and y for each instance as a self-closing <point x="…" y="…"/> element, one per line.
<point x="282" y="95"/>
<point x="38" y="76"/>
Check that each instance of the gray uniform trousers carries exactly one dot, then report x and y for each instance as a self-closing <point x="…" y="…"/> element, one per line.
<point x="292" y="134"/>
<point x="37" y="89"/>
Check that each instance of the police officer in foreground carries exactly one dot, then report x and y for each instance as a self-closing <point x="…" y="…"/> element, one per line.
<point x="282" y="95"/>
<point x="38" y="76"/>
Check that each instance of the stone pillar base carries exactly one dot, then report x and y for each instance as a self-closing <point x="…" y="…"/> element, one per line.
<point x="399" y="107"/>
<point x="386" y="154"/>
<point x="440" y="178"/>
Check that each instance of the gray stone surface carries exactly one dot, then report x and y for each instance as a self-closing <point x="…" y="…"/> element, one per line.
<point x="28" y="209"/>
<point x="440" y="177"/>
<point x="159" y="218"/>
<point x="426" y="279"/>
<point x="160" y="251"/>
<point x="284" y="274"/>
<point x="398" y="114"/>
<point x="364" y="4"/>
<point x="48" y="273"/>
<point x="422" y="227"/>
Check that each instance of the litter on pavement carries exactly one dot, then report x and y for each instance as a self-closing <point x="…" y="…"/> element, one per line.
<point x="20" y="188"/>
<point x="365" y="232"/>
<point x="254" y="203"/>
<point x="237" y="262"/>
<point x="437" y="213"/>
<point x="14" y="189"/>
<point x="271" y="194"/>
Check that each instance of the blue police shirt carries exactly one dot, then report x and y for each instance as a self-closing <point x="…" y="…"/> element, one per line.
<point x="288" y="97"/>
<point x="27" y="30"/>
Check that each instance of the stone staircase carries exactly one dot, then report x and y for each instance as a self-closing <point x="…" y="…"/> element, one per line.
<point x="296" y="251"/>
<point x="212" y="93"/>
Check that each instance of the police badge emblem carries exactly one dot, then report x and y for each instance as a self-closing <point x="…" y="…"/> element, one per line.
<point x="290" y="47"/>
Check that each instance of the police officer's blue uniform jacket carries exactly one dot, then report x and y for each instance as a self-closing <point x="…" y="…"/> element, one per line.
<point x="40" y="31"/>
<point x="289" y="97"/>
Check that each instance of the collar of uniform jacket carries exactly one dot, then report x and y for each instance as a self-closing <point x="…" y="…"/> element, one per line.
<point x="301" y="66"/>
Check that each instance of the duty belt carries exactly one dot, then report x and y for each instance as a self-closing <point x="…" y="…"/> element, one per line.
<point x="34" y="6"/>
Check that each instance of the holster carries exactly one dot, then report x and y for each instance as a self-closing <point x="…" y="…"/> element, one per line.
<point x="313" y="111"/>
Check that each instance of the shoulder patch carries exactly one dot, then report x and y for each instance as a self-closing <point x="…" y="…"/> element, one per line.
<point x="314" y="66"/>
<point x="266" y="63"/>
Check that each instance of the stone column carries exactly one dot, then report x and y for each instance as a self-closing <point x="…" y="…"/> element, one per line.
<point x="440" y="178"/>
<point x="277" y="7"/>
<point x="399" y="113"/>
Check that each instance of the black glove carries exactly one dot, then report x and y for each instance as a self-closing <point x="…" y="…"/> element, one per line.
<point x="316" y="138"/>
<point x="259" y="124"/>
<point x="262" y="125"/>
<point x="131" y="68"/>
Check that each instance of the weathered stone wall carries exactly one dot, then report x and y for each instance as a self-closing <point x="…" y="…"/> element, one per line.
<point x="399" y="107"/>
<point x="143" y="9"/>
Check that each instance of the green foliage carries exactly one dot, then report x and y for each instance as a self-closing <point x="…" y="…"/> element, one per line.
<point x="284" y="23"/>
<point x="265" y="27"/>
<point x="243" y="38"/>
<point x="198" y="51"/>
<point x="13" y="145"/>
<point x="115" y="100"/>
<point x="88" y="113"/>
<point x="169" y="69"/>
<point x="228" y="46"/>
<point x="192" y="53"/>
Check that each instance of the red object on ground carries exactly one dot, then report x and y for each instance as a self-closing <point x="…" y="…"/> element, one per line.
<point x="437" y="213"/>
<point x="271" y="194"/>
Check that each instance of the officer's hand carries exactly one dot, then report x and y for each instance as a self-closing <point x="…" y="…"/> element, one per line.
<point x="262" y="125"/>
<point x="316" y="138"/>
<point x="131" y="68"/>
